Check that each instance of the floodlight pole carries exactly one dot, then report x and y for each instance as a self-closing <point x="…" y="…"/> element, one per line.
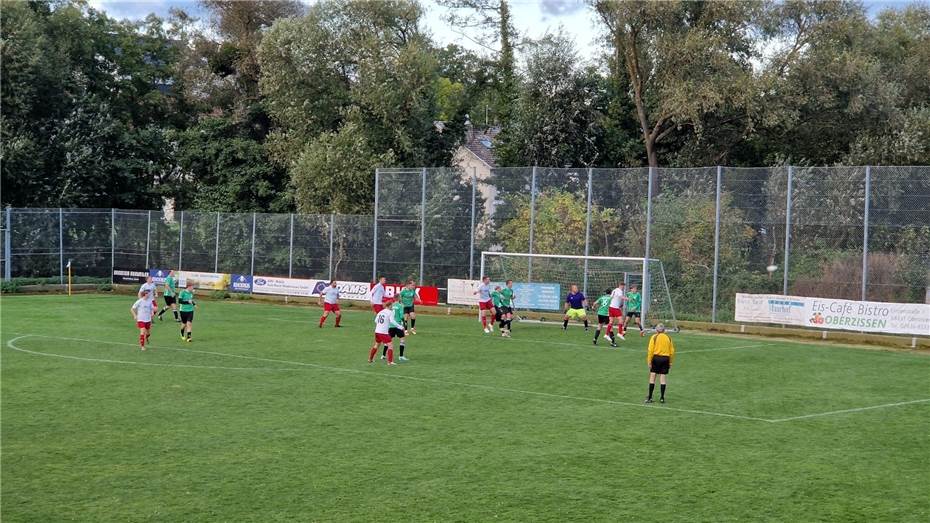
<point x="865" y="233"/>
<point x="332" y="235"/>
<point x="374" y="255"/>
<point x="112" y="242"/>
<point x="713" y="310"/>
<point x="422" y="221"/>
<point x="587" y="235"/>
<point x="787" y="230"/>
<point x="646" y="286"/>
<point x="180" y="241"/>
<point x="529" y="262"/>
<point x="471" y="245"/>
<point x="252" y="266"/>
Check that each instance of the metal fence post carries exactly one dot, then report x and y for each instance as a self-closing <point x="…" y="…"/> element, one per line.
<point x="529" y="261"/>
<point x="180" y="240"/>
<point x="422" y="222"/>
<point x="148" y="239"/>
<point x="713" y="307"/>
<point x="112" y="242"/>
<point x="865" y="233"/>
<point x="252" y="265"/>
<point x="587" y="235"/>
<point x="290" y="251"/>
<point x="7" y="248"/>
<point x="471" y="245"/>
<point x="332" y="235"/>
<point x="216" y="249"/>
<point x="787" y="230"/>
<point x="646" y="283"/>
<point x="374" y="256"/>
<point x="61" y="246"/>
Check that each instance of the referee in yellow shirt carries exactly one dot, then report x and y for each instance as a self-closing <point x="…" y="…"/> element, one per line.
<point x="659" y="360"/>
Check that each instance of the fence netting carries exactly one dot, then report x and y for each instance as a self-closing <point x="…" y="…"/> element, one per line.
<point x="808" y="231"/>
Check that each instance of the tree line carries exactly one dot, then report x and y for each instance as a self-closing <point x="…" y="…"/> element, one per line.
<point x="275" y="106"/>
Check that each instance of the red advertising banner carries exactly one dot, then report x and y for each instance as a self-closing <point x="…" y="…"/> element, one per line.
<point x="425" y="295"/>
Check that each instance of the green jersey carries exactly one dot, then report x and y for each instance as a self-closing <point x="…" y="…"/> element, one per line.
<point x="507" y="297"/>
<point x="496" y="298"/>
<point x="634" y="301"/>
<point x="398" y="309"/>
<point x="170" y="286"/>
<point x="186" y="299"/>
<point x="407" y="296"/>
<point x="603" y="305"/>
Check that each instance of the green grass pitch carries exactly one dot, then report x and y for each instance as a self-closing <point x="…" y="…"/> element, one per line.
<point x="265" y="417"/>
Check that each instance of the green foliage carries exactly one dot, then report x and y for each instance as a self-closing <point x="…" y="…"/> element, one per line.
<point x="219" y="295"/>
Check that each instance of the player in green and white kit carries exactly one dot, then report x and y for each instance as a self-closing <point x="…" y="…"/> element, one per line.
<point x="633" y="307"/>
<point x="398" y="310"/>
<point x="507" y="297"/>
<point x="497" y="300"/>
<point x="186" y="299"/>
<point x="602" y="306"/>
<point x="171" y="289"/>
<point x="407" y="297"/>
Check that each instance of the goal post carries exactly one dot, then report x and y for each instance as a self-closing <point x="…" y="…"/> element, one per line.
<point x="541" y="281"/>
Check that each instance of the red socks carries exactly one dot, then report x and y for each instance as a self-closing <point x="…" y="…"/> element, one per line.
<point x="337" y="320"/>
<point x="391" y="355"/>
<point x="323" y="318"/>
<point x="142" y="340"/>
<point x="371" y="354"/>
<point x="610" y="328"/>
<point x="484" y="321"/>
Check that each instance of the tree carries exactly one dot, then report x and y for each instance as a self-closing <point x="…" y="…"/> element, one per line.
<point x="683" y="61"/>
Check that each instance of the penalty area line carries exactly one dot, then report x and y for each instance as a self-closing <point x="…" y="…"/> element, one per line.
<point x="849" y="411"/>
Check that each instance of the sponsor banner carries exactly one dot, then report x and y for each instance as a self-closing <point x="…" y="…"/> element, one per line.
<point x="159" y="275"/>
<point x="425" y="295"/>
<point x="121" y="275"/>
<point x="202" y="280"/>
<point x="240" y="283"/>
<point x="348" y="290"/>
<point x="539" y="296"/>
<point x="285" y="286"/>
<point x="828" y="313"/>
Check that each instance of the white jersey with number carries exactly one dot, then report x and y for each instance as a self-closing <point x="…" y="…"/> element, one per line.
<point x="331" y="295"/>
<point x="617" y="298"/>
<point x="484" y="292"/>
<point x="377" y="294"/>
<point x="144" y="310"/>
<point x="384" y="320"/>
<point x="148" y="288"/>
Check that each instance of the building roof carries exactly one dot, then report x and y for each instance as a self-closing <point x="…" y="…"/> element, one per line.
<point x="481" y="143"/>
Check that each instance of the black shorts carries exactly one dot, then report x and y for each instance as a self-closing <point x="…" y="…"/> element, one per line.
<point x="506" y="310"/>
<point x="169" y="300"/>
<point x="603" y="320"/>
<point x="632" y="314"/>
<point x="660" y="365"/>
<point x="187" y="316"/>
<point x="408" y="310"/>
<point x="394" y="332"/>
<point x="497" y="314"/>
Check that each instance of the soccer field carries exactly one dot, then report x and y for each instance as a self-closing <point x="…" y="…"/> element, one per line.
<point x="265" y="417"/>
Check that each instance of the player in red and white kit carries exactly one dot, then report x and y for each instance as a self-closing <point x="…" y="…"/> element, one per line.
<point x="384" y="321"/>
<point x="150" y="288"/>
<point x="142" y="311"/>
<point x="485" y="304"/>
<point x="615" y="312"/>
<point x="377" y="295"/>
<point x="329" y="299"/>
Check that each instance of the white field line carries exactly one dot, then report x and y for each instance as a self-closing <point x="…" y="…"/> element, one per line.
<point x="11" y="344"/>
<point x="846" y="411"/>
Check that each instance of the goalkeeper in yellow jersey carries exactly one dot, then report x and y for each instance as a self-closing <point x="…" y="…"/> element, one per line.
<point x="659" y="359"/>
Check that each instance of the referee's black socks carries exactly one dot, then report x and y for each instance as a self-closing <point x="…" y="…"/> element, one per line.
<point x="662" y="390"/>
<point x="586" y="324"/>
<point x="652" y="387"/>
<point x="565" y="324"/>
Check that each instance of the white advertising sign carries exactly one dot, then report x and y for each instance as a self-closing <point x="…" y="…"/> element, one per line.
<point x="828" y="313"/>
<point x="348" y="290"/>
<point x="203" y="280"/>
<point x="461" y="292"/>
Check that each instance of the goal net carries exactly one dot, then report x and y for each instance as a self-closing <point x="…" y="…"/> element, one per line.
<point x="541" y="281"/>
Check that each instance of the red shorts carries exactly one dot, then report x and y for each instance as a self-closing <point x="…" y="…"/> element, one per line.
<point x="486" y="305"/>
<point x="377" y="307"/>
<point x="144" y="324"/>
<point x="331" y="307"/>
<point x="615" y="313"/>
<point x="382" y="338"/>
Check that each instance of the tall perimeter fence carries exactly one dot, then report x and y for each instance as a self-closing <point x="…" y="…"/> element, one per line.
<point x="860" y="233"/>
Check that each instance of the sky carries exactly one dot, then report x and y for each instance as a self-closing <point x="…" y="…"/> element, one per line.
<point x="532" y="18"/>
